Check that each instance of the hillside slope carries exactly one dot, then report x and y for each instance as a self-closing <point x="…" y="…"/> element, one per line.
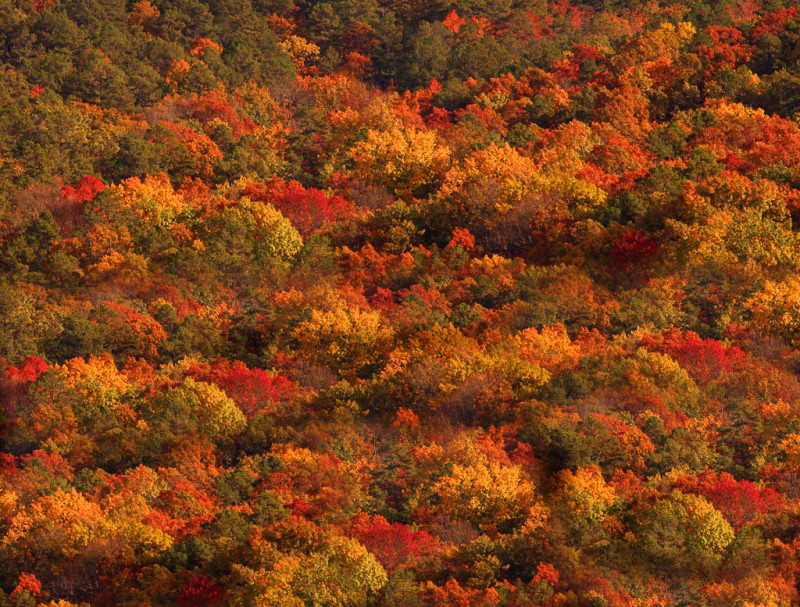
<point x="395" y="303"/>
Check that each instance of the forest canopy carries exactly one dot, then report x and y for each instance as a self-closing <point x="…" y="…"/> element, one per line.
<point x="387" y="303"/>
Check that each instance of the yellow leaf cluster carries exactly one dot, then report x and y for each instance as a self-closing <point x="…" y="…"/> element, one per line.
<point x="776" y="308"/>
<point x="586" y="493"/>
<point x="403" y="160"/>
<point x="153" y="200"/>
<point x="486" y="493"/>
<point x="345" y="339"/>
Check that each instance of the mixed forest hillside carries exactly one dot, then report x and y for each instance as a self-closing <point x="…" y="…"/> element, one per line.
<point x="474" y="303"/>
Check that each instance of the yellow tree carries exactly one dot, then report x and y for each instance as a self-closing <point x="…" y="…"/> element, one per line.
<point x="348" y="340"/>
<point x="406" y="161"/>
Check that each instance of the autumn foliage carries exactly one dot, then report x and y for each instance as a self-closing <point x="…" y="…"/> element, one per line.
<point x="387" y="304"/>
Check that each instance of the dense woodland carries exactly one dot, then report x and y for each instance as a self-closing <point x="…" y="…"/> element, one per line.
<point x="389" y="303"/>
